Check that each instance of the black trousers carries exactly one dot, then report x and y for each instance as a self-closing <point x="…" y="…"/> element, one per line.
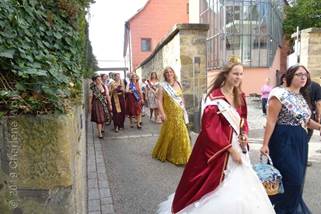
<point x="264" y="102"/>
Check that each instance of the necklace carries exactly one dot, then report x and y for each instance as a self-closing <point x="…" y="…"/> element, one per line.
<point x="172" y="84"/>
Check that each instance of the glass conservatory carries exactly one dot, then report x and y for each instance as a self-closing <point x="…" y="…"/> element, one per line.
<point x="250" y="29"/>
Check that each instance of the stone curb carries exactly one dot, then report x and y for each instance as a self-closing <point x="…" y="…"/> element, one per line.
<point x="99" y="197"/>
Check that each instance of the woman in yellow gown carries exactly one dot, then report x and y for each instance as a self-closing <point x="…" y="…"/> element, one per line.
<point x="173" y="143"/>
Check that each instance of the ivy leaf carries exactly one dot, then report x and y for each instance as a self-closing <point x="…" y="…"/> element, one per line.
<point x="28" y="33"/>
<point x="68" y="41"/>
<point x="3" y="93"/>
<point x="49" y="33"/>
<point x="35" y="72"/>
<point x="46" y="44"/>
<point x="48" y="90"/>
<point x="42" y="29"/>
<point x="29" y="58"/>
<point x="20" y="86"/>
<point x="61" y="78"/>
<point x="8" y="53"/>
<point x="36" y="65"/>
<point x="40" y="44"/>
<point x="39" y="57"/>
<point x="6" y="94"/>
<point x="2" y="114"/>
<point x="58" y="35"/>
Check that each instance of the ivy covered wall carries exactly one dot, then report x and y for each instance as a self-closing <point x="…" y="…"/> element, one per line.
<point x="44" y="54"/>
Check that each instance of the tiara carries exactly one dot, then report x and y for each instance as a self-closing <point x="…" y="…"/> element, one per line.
<point x="234" y="59"/>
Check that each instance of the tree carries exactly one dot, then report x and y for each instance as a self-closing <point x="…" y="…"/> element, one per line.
<point x="304" y="14"/>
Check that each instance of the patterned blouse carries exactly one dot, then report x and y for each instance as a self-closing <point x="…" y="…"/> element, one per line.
<point x="295" y="110"/>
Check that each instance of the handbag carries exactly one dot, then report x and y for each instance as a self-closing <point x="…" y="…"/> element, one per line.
<point x="270" y="177"/>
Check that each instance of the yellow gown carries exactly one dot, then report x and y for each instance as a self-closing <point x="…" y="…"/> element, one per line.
<point x="173" y="143"/>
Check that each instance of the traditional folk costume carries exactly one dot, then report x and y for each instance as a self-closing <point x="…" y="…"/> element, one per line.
<point x="212" y="182"/>
<point x="173" y="143"/>
<point x="118" y="103"/>
<point x="99" y="111"/>
<point x="289" y="150"/>
<point x="134" y="99"/>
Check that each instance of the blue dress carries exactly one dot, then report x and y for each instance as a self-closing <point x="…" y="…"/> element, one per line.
<point x="289" y="150"/>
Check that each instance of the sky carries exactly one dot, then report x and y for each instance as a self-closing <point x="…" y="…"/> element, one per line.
<point x="106" y="28"/>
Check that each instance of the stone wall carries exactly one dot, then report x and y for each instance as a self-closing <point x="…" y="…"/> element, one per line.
<point x="43" y="163"/>
<point x="310" y="55"/>
<point x="184" y="49"/>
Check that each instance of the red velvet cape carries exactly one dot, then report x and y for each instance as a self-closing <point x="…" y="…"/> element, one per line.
<point x="204" y="170"/>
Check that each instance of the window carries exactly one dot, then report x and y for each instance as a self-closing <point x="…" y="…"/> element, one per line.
<point x="251" y="29"/>
<point x="145" y="44"/>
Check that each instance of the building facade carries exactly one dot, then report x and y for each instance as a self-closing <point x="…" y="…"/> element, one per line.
<point x="307" y="51"/>
<point x="249" y="29"/>
<point x="149" y="25"/>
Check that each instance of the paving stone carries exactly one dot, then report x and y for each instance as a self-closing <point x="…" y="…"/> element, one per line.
<point x="107" y="200"/>
<point x="107" y="209"/>
<point x="101" y="170"/>
<point x="99" y="196"/>
<point x="93" y="194"/>
<point x="103" y="184"/>
<point x="104" y="193"/>
<point x="91" y="168"/>
<point x="94" y="205"/>
<point x="99" y="153"/>
<point x="100" y="166"/>
<point x="92" y="183"/>
<point x="92" y="175"/>
<point x="98" y="147"/>
<point x="100" y="163"/>
<point x="102" y="177"/>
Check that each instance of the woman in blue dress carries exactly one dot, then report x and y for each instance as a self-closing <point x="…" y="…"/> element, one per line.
<point x="286" y="138"/>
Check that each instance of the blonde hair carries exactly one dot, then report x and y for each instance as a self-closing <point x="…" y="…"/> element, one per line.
<point x="151" y="75"/>
<point x="132" y="77"/>
<point x="166" y="70"/>
<point x="221" y="78"/>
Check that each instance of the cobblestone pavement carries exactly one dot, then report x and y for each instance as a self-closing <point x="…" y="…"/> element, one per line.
<point x="99" y="196"/>
<point x="256" y="119"/>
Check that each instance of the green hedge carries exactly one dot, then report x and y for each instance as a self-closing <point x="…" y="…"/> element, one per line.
<point x="44" y="54"/>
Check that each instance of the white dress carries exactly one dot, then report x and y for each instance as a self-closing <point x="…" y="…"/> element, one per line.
<point x="241" y="192"/>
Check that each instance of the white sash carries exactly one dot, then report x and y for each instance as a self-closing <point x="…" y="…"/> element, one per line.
<point x="229" y="113"/>
<point x="177" y="99"/>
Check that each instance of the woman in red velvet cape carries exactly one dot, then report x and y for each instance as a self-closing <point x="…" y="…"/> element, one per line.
<point x="205" y="168"/>
<point x="217" y="150"/>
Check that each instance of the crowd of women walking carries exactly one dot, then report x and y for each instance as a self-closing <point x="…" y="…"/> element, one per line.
<point x="111" y="99"/>
<point x="218" y="176"/>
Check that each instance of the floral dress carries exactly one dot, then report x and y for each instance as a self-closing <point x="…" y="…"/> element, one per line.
<point x="289" y="150"/>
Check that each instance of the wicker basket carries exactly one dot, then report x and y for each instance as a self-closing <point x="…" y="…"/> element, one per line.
<point x="271" y="188"/>
<point x="270" y="177"/>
